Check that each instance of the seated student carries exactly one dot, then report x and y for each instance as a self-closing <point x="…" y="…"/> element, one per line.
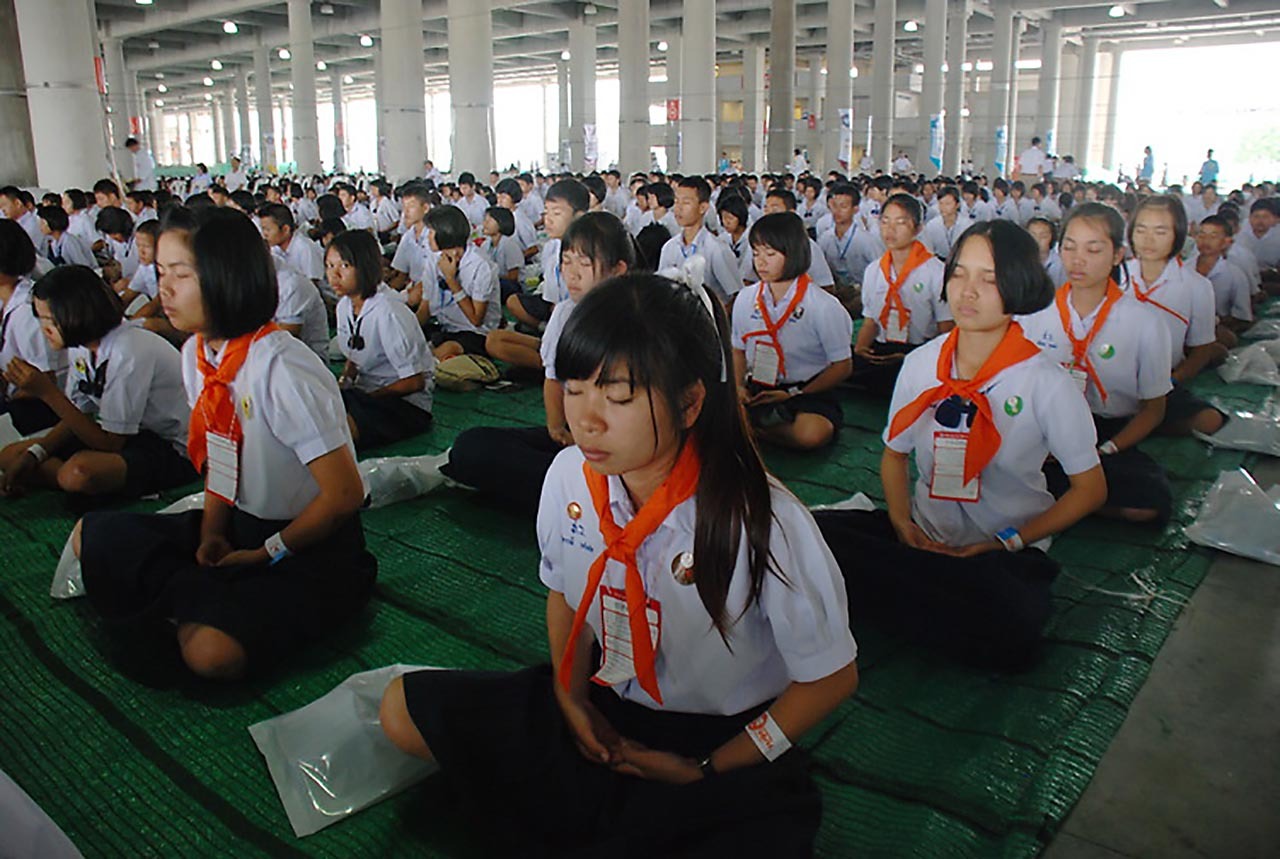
<point x="782" y="200"/>
<point x="276" y="558"/>
<point x="811" y="207"/>
<point x="355" y="215"/>
<point x="1046" y="236"/>
<point x="902" y="303"/>
<point x="463" y="304"/>
<point x="940" y="233"/>
<point x="960" y="561"/>
<point x="385" y="213"/>
<point x="20" y="335"/>
<point x="734" y="220"/>
<point x="791" y="343"/>
<point x="1003" y="206"/>
<point x="141" y="205"/>
<point x="692" y="202"/>
<point x="300" y="309"/>
<point x="116" y="227"/>
<point x="290" y="246"/>
<point x="974" y="207"/>
<point x="636" y="217"/>
<point x="597" y="190"/>
<point x="76" y="204"/>
<point x="472" y="204"/>
<point x="509" y="463"/>
<point x="1117" y="352"/>
<point x="501" y="248"/>
<point x="62" y="246"/>
<point x="106" y="195"/>
<point x="665" y="489"/>
<point x="390" y="372"/>
<point x="565" y="200"/>
<point x="1262" y="236"/>
<point x="1232" y="300"/>
<point x="661" y="198"/>
<point x="13" y="205"/>
<point x="1025" y="207"/>
<point x="847" y="247"/>
<point x="1239" y="255"/>
<point x="122" y="421"/>
<point x="413" y="263"/>
<point x="1158" y="278"/>
<point x="510" y="196"/>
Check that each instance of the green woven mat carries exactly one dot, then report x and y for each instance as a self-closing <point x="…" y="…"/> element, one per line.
<point x="928" y="759"/>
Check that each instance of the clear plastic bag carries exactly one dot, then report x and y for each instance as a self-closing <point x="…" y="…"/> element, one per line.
<point x="331" y="759"/>
<point x="1254" y="431"/>
<point x="392" y="479"/>
<point x="857" y="501"/>
<point x="1253" y="364"/>
<point x="1238" y="517"/>
<point x="1263" y="329"/>
<point x="67" y="581"/>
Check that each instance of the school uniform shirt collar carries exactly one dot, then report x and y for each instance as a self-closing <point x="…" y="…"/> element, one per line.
<point x="623" y="510"/>
<point x="782" y="303"/>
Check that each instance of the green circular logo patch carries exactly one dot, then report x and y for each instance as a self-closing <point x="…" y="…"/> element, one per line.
<point x="1106" y="350"/>
<point x="1013" y="406"/>
<point x="919" y="287"/>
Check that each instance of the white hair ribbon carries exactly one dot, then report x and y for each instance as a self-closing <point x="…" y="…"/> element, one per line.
<point x="691" y="274"/>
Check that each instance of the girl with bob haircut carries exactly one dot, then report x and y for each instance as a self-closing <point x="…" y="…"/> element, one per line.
<point x="1185" y="299"/>
<point x="791" y="341"/>
<point x="390" y="372"/>
<point x="902" y="303"/>
<point x="277" y="554"/>
<point x="1117" y="351"/>
<point x="960" y="562"/>
<point x="122" y="418"/>
<point x="510" y="463"/>
<point x="20" y="335"/>
<point x="714" y="575"/>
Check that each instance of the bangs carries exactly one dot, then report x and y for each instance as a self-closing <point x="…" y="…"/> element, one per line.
<point x="603" y="334"/>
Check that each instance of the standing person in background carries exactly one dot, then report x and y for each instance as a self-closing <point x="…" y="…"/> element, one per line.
<point x="1148" y="166"/>
<point x="1031" y="164"/>
<point x="1209" y="169"/>
<point x="144" y="166"/>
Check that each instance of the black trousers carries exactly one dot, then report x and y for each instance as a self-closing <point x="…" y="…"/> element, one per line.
<point x="878" y="379"/>
<point x="507" y="464"/>
<point x="29" y="416"/>
<point x="988" y="610"/>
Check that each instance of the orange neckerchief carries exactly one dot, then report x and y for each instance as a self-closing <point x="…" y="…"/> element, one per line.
<point x="1080" y="348"/>
<point x="215" y="410"/>
<point x="919" y="256"/>
<point x="1146" y="297"/>
<point x="984" y="438"/>
<point x="621" y="544"/>
<point x="772" y="328"/>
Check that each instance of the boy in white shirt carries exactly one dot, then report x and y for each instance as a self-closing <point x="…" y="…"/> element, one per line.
<point x="511" y="196"/>
<point x="847" y="247"/>
<point x="471" y="203"/>
<point x="465" y="301"/>
<point x="358" y="216"/>
<point x="1230" y="285"/>
<point x="692" y="202"/>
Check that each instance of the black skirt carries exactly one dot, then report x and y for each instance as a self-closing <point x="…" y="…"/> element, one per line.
<point x="140" y="568"/>
<point x="511" y="762"/>
<point x="383" y="420"/>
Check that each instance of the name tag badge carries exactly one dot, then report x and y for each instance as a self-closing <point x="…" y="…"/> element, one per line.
<point x="224" y="467"/>
<point x="618" y="664"/>
<point x="948" y="469"/>
<point x="764" y="364"/>
<point x="896" y="331"/>
<point x="1080" y="376"/>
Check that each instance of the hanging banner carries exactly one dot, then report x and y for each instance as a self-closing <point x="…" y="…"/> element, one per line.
<point x="813" y="121"/>
<point x="937" y="133"/>
<point x="1002" y="148"/>
<point x="1051" y="141"/>
<point x="845" y="156"/>
<point x="673" y="110"/>
<point x="590" y="147"/>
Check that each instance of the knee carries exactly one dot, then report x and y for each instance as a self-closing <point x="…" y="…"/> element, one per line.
<point x="397" y="725"/>
<point x="810" y="434"/>
<point x="211" y="653"/>
<point x="75" y="476"/>
<point x="494" y="343"/>
<point x="1139" y="514"/>
<point x="1208" y="422"/>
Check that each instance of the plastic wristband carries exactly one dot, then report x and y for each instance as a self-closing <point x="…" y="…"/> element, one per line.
<point x="276" y="548"/>
<point x="38" y="453"/>
<point x="1108" y="447"/>
<point x="1010" y="539"/>
<point x="795" y="391"/>
<point x="768" y="737"/>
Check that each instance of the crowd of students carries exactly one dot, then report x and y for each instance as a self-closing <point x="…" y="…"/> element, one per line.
<point x="1024" y="341"/>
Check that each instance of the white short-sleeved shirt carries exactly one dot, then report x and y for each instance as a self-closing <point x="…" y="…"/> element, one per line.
<point x="1130" y="353"/>
<point x="811" y="213"/>
<point x="553" y="287"/>
<point x="31" y="223"/>
<point x="386" y="215"/>
<point x="819" y="272"/>
<point x="635" y="220"/>
<point x="306" y="256"/>
<point x="722" y="267"/>
<point x="848" y="255"/>
<point x="1230" y="288"/>
<point x="921" y="294"/>
<point x="142" y="388"/>
<point x="981" y="210"/>
<point x="290" y="411"/>
<point x="505" y="255"/>
<point x="526" y="232"/>
<point x="412" y="254"/>
<point x="125" y="253"/>
<point x="21" y="337"/>
<point x="71" y="249"/>
<point x="1266" y="249"/>
<point x="1054" y="267"/>
<point x="300" y="304"/>
<point x="479" y="280"/>
<point x="234" y="180"/>
<point x="358" y="218"/>
<point x="531" y="205"/>
<point x="1038" y="411"/>
<point x="1008" y="210"/>
<point x="394" y="346"/>
<point x="1183" y="291"/>
<point x="939" y="238"/>
<point x="798" y="631"/>
<point x="145" y="281"/>
<point x="81" y="224"/>
<point x="818" y="334"/>
<point x="1031" y="160"/>
<point x="551" y="337"/>
<point x="474" y="208"/>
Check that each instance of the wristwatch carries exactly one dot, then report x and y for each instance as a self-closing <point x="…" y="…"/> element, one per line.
<point x="707" y="768"/>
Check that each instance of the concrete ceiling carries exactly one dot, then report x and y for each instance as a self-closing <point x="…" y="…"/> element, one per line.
<point x="179" y="39"/>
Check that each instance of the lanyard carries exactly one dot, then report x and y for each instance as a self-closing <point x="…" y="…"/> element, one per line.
<point x="772" y="328"/>
<point x="1146" y="297"/>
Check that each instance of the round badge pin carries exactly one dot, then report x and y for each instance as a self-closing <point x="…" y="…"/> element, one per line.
<point x="682" y="568"/>
<point x="246" y="406"/>
<point x="1106" y="350"/>
<point x="799" y="314"/>
<point x="574" y="510"/>
<point x="1013" y="406"/>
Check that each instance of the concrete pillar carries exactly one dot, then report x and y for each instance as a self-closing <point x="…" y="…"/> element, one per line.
<point x="753" y="107"/>
<point x="675" y="90"/>
<point x="155" y="128"/>
<point x="262" y="102"/>
<point x="839" y="85"/>
<point x="633" y="84"/>
<point x="1050" y="83"/>
<point x="403" y="97"/>
<point x="380" y="112"/>
<point x="470" y="82"/>
<point x="957" y="35"/>
<point x="817" y="86"/>
<point x="562" y="88"/>
<point x="935" y="41"/>
<point x="997" y="124"/>
<point x="118" y="119"/>
<point x="782" y="84"/>
<point x="219" y="152"/>
<point x="58" y="46"/>
<point x="882" y="84"/>
<point x="1113" y="104"/>
<point x="228" y="125"/>
<point x="1084" y="104"/>
<point x="582" y="94"/>
<point x="186" y="136"/>
<point x="339" y="123"/>
<point x="17" y="158"/>
<point x="1015" y="47"/>
<point x="306" y="128"/>
<point x="245" y="148"/>
<point x="698" y="110"/>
